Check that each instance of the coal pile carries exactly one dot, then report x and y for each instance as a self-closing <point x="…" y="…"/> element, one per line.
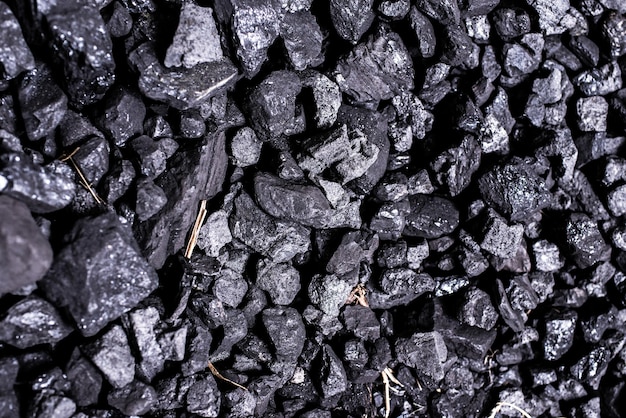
<point x="312" y="208"/>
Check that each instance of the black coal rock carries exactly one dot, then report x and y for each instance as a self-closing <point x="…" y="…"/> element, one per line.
<point x="351" y="19"/>
<point x="81" y="46"/>
<point x="136" y="398"/>
<point x="150" y="199"/>
<point x="112" y="356"/>
<point x="99" y="274"/>
<point x="25" y="253"/>
<point x="425" y="352"/>
<point x="303" y="38"/>
<point x="123" y="115"/>
<point x="430" y="217"/>
<point x="15" y="57"/>
<point x="281" y="281"/>
<point x="376" y="69"/>
<point x="585" y="244"/>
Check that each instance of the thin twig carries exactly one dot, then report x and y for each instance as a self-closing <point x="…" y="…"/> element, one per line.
<point x="70" y="155"/>
<point x="217" y="374"/>
<point x="83" y="181"/>
<point x="195" y="231"/>
<point x="387" y="401"/>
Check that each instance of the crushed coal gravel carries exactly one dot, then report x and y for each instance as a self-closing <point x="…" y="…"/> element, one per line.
<point x="312" y="208"/>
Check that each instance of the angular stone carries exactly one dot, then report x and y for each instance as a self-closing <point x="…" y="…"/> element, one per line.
<point x="15" y="57"/>
<point x="246" y="147"/>
<point x="25" y="253"/>
<point x="592" y="113"/>
<point x="303" y="38"/>
<point x="361" y="321"/>
<point x="196" y="40"/>
<point x="150" y="199"/>
<point x="181" y="88"/>
<point x="326" y="96"/>
<point x="333" y="379"/>
<point x="477" y="310"/>
<point x="351" y="19"/>
<point x="281" y="281"/>
<point x="122" y="116"/>
<point x="286" y="331"/>
<point x="141" y="327"/>
<point x="430" y="217"/>
<point x="82" y="48"/>
<point x="99" y="273"/>
<point x="42" y="102"/>
<point x="111" y="354"/>
<point x="85" y="379"/>
<point x="426" y="353"/>
<point x="137" y="398"/>
<point x="376" y="69"/>
<point x="584" y="241"/>
<point x="215" y="233"/>
<point x="33" y="321"/>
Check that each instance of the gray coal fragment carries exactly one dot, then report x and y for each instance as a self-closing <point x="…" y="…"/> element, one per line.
<point x="191" y="124"/>
<point x="230" y="287"/>
<point x="136" y="398"/>
<point x="122" y="116"/>
<point x="547" y="256"/>
<point x="424" y="32"/>
<point x="198" y="349"/>
<point x="245" y="147"/>
<point x="592" y="113"/>
<point x="405" y="282"/>
<point x="271" y="105"/>
<point x="93" y="159"/>
<point x="477" y="310"/>
<point x="333" y="379"/>
<point x="302" y="38"/>
<point x="552" y="15"/>
<point x="85" y="379"/>
<point x="203" y="397"/>
<point x="281" y="281"/>
<point x="118" y="181"/>
<point x="255" y="25"/>
<point x="181" y="88"/>
<point x="584" y="242"/>
<point x="286" y="331"/>
<point x="150" y="199"/>
<point x="196" y="40"/>
<point x="120" y="22"/>
<point x="617" y="201"/>
<point x="81" y="46"/>
<point x="326" y="96"/>
<point x="25" y="253"/>
<point x="454" y="168"/>
<point x="376" y="69"/>
<point x="430" y="217"/>
<point x="478" y="28"/>
<point x="390" y="219"/>
<point x="75" y="128"/>
<point x="351" y="19"/>
<point x="445" y="12"/>
<point x="196" y="172"/>
<point x="614" y="32"/>
<point x="586" y="50"/>
<point x="306" y="205"/>
<point x="111" y="354"/>
<point x="99" y="274"/>
<point x="152" y="159"/>
<point x="330" y="292"/>
<point x="511" y="23"/>
<point x="33" y="321"/>
<point x="42" y="102"/>
<point x="394" y="9"/>
<point x="514" y="189"/>
<point x="521" y="59"/>
<point x="141" y="324"/>
<point x="498" y="238"/>
<point x="276" y="239"/>
<point x="51" y="405"/>
<point x="215" y="233"/>
<point x="15" y="57"/>
<point x="425" y="352"/>
<point x="599" y="81"/>
<point x="372" y="126"/>
<point x="355" y="247"/>
<point x="42" y="189"/>
<point x="361" y="321"/>
<point x="457" y="46"/>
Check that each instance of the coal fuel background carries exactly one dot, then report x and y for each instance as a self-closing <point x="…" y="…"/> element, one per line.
<point x="312" y="208"/>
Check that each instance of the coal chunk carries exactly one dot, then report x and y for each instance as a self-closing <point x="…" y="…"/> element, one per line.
<point x="430" y="217"/>
<point x="592" y="113"/>
<point x="477" y="310"/>
<point x="511" y="23"/>
<point x="42" y="102"/>
<point x="15" y="57"/>
<point x="585" y="244"/>
<point x="326" y="97"/>
<point x="122" y="116"/>
<point x="514" y="189"/>
<point x="215" y="233"/>
<point x="92" y="159"/>
<point x="255" y="25"/>
<point x="279" y="240"/>
<point x="617" y="201"/>
<point x="150" y="199"/>
<point x="272" y="104"/>
<point x="376" y="69"/>
<point x="500" y="239"/>
<point x="25" y="253"/>
<point x="111" y="354"/>
<point x="137" y="398"/>
<point x="445" y="12"/>
<point x="424" y="32"/>
<point x="99" y="274"/>
<point x="120" y="22"/>
<point x="196" y="40"/>
<point x="614" y="32"/>
<point x="303" y="39"/>
<point x="246" y="147"/>
<point x="281" y="281"/>
<point x="166" y="234"/>
<point x="141" y="325"/>
<point x="351" y="19"/>
<point x="426" y="352"/>
<point x="454" y="168"/>
<point x="202" y="397"/>
<point x="179" y="87"/>
<point x="599" y="81"/>
<point x="361" y="321"/>
<point x="85" y="379"/>
<point x="118" y="181"/>
<point x="32" y="321"/>
<point x="333" y="379"/>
